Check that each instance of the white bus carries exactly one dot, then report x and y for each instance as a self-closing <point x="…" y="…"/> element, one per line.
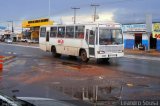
<point x="84" y="40"/>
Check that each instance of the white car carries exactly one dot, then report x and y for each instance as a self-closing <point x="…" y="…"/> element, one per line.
<point x="8" y="40"/>
<point x="24" y="40"/>
<point x="29" y="41"/>
<point x="32" y="41"/>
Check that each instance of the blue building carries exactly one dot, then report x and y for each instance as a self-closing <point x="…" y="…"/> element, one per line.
<point x="2" y="27"/>
<point x="135" y="34"/>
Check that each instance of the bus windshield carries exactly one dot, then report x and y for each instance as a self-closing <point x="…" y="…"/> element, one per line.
<point x="110" y="36"/>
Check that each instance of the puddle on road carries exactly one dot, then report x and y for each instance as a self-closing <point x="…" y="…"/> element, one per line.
<point x="75" y="65"/>
<point x="92" y="90"/>
<point x="101" y="89"/>
<point x="143" y="86"/>
<point x="132" y="85"/>
<point x="93" y="94"/>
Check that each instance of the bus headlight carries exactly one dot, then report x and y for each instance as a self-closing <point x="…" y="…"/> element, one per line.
<point x="100" y="52"/>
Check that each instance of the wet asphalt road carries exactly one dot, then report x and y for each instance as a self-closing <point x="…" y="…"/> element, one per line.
<point x="36" y="73"/>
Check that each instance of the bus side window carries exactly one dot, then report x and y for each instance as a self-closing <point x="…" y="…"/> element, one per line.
<point x="61" y="32"/>
<point x="79" y="32"/>
<point x="53" y="32"/>
<point x="43" y="32"/>
<point x="69" y="32"/>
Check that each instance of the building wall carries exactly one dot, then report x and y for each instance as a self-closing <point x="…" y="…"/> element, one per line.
<point x="145" y="40"/>
<point x="158" y="44"/>
<point x="128" y="40"/>
<point x="129" y="35"/>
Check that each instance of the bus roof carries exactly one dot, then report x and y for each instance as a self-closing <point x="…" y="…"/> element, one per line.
<point x="109" y="24"/>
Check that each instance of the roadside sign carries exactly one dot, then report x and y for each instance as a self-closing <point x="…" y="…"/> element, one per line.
<point x="156" y="30"/>
<point x="36" y="23"/>
<point x="134" y="27"/>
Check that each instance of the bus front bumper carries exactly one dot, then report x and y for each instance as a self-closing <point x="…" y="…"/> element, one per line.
<point x="110" y="55"/>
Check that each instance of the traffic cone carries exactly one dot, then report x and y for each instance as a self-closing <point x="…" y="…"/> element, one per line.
<point x="0" y="75"/>
<point x="1" y="63"/>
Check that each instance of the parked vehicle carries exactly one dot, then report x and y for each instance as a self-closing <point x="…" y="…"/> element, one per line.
<point x="35" y="41"/>
<point x="32" y="41"/>
<point x="8" y="40"/>
<point x="24" y="40"/>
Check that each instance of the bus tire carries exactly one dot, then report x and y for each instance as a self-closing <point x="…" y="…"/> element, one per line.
<point x="54" y="53"/>
<point x="83" y="56"/>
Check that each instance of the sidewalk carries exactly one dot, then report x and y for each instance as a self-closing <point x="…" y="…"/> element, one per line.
<point x="6" y="58"/>
<point x="22" y="44"/>
<point x="142" y="52"/>
<point x="26" y="44"/>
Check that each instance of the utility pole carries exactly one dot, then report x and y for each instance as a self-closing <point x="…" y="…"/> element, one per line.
<point x="49" y="8"/>
<point x="95" y="11"/>
<point x="74" y="8"/>
<point x="12" y="25"/>
<point x="149" y="28"/>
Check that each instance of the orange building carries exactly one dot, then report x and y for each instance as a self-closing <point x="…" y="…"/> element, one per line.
<point x="34" y="26"/>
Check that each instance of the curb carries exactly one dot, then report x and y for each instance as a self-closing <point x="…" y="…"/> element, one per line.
<point x="28" y="46"/>
<point x="142" y="54"/>
<point x="6" y="58"/>
<point x="142" y="57"/>
<point x="151" y="53"/>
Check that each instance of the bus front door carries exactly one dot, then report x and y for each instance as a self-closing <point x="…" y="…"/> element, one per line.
<point x="91" y="43"/>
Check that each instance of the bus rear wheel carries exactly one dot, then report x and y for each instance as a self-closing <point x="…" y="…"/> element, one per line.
<point x="54" y="53"/>
<point x="83" y="56"/>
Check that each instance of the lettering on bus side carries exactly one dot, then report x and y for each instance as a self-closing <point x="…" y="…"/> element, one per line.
<point x="60" y="41"/>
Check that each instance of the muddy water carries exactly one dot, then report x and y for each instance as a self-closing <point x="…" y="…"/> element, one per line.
<point x="88" y="82"/>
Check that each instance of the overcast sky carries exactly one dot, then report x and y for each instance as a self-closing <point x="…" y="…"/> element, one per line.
<point x="109" y="10"/>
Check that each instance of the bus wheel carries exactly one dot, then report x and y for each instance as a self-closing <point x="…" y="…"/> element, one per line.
<point x="54" y="53"/>
<point x="83" y="56"/>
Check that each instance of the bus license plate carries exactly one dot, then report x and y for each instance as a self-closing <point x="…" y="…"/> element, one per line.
<point x="112" y="55"/>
